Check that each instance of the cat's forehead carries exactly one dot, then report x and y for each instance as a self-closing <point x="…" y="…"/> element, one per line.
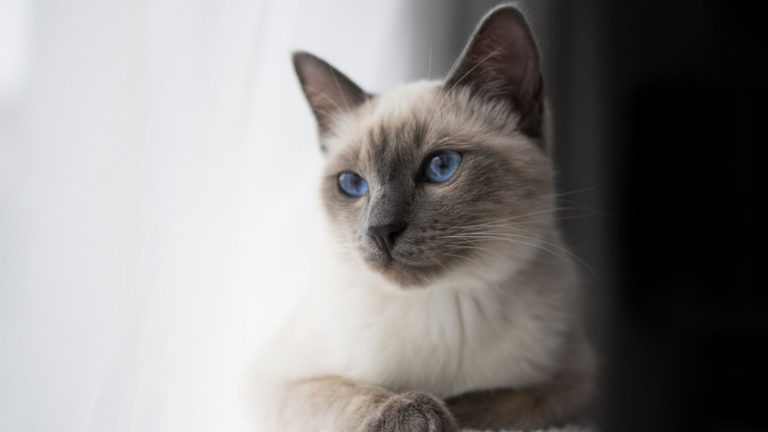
<point x="391" y="129"/>
<point x="397" y="121"/>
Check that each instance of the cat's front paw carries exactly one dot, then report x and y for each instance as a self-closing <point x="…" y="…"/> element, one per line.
<point x="412" y="412"/>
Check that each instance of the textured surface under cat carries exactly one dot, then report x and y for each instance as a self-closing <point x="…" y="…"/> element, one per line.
<point x="569" y="428"/>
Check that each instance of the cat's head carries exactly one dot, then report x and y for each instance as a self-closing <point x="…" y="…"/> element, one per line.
<point x="436" y="179"/>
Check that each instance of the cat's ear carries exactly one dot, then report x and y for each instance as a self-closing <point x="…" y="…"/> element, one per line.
<point x="328" y="91"/>
<point x="501" y="62"/>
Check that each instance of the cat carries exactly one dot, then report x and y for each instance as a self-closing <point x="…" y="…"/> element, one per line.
<point x="454" y="304"/>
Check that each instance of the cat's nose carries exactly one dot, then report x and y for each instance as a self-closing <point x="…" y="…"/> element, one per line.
<point x="386" y="235"/>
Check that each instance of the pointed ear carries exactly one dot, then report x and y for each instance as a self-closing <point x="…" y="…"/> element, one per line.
<point x="328" y="91"/>
<point x="501" y="62"/>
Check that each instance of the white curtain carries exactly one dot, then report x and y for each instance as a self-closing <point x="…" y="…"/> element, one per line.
<point x="158" y="169"/>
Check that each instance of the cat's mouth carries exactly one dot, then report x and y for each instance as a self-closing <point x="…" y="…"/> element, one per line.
<point x="399" y="269"/>
<point x="381" y="260"/>
<point x="407" y="276"/>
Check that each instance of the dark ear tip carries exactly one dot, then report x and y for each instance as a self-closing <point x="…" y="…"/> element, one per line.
<point x="299" y="57"/>
<point x="299" y="54"/>
<point x="304" y="62"/>
<point x="508" y="16"/>
<point x="506" y="11"/>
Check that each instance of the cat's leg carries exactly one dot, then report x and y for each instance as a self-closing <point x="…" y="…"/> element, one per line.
<point x="565" y="398"/>
<point x="340" y="405"/>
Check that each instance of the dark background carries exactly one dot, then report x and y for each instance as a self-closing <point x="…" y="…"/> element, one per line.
<point x="660" y="110"/>
<point x="672" y="96"/>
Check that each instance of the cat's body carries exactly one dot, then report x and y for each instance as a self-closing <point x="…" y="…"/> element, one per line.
<point x="452" y="289"/>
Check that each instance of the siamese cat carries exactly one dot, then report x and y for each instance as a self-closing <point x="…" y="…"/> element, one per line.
<point x="454" y="304"/>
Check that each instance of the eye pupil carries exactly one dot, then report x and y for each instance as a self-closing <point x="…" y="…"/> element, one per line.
<point x="442" y="166"/>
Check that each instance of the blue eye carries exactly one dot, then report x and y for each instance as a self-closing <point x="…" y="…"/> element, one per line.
<point x="442" y="166"/>
<point x="352" y="184"/>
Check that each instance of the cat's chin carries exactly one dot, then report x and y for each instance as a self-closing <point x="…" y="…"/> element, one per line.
<point x="404" y="276"/>
<point x="475" y="272"/>
<point x="401" y="272"/>
<point x="407" y="280"/>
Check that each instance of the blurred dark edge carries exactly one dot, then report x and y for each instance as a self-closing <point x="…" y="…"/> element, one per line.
<point x="659" y="108"/>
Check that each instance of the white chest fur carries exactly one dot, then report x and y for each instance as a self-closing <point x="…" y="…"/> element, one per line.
<point x="444" y="340"/>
